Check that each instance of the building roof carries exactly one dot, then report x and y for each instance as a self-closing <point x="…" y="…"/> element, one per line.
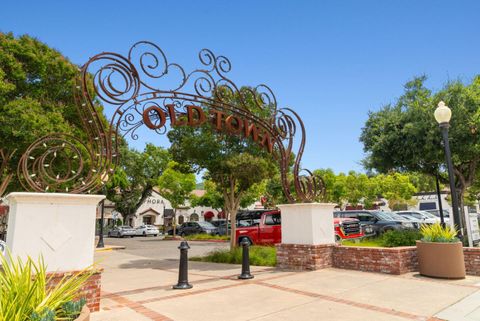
<point x="149" y="210"/>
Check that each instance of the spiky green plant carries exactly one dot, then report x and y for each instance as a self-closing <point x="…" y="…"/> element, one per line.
<point x="437" y="233"/>
<point x="25" y="293"/>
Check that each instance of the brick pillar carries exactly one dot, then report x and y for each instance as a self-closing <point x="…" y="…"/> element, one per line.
<point x="308" y="236"/>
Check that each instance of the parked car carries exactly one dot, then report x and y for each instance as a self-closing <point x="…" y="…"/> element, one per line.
<point x="122" y="231"/>
<point x="264" y="227"/>
<point x="446" y="214"/>
<point x="422" y="216"/>
<point x="221" y="226"/>
<point x="380" y="222"/>
<point x="190" y="228"/>
<point x="415" y="221"/>
<point x="145" y="230"/>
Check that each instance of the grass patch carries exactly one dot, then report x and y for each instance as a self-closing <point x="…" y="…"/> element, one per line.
<point x="204" y="236"/>
<point x="388" y="239"/>
<point x="259" y="255"/>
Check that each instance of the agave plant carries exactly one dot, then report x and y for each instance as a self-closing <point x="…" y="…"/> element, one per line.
<point x="438" y="234"/>
<point x="25" y="293"/>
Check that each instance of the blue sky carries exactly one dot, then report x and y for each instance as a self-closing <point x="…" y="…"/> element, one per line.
<point x="331" y="61"/>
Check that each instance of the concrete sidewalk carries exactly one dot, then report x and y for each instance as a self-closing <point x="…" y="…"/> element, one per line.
<point x="138" y="289"/>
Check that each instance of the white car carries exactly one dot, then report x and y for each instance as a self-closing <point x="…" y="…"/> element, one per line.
<point x="424" y="217"/>
<point x="145" y="230"/>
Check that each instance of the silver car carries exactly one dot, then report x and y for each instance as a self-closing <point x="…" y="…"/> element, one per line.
<point x="122" y="231"/>
<point x="145" y="230"/>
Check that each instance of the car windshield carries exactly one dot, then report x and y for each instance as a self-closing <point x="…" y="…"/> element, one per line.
<point x="395" y="217"/>
<point x="427" y="214"/>
<point x="384" y="216"/>
<point x="206" y="225"/>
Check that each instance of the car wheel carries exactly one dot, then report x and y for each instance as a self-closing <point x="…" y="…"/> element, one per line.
<point x="120" y="236"/>
<point x="131" y="236"/>
<point x="145" y="234"/>
<point x="155" y="235"/>
<point x="109" y="234"/>
<point x="338" y="239"/>
<point x="240" y="240"/>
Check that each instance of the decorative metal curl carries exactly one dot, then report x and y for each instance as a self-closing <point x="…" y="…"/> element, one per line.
<point x="145" y="79"/>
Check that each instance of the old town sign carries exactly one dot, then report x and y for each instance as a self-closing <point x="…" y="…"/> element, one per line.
<point x="144" y="89"/>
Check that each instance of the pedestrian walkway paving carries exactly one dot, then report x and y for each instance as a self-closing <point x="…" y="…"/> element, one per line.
<point x="136" y="289"/>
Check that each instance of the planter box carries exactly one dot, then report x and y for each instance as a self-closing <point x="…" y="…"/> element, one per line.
<point x="84" y="315"/>
<point x="441" y="260"/>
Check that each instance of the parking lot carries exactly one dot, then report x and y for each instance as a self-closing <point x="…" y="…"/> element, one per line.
<point x="156" y="248"/>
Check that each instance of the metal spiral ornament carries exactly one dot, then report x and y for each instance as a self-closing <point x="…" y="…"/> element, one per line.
<point x="144" y="86"/>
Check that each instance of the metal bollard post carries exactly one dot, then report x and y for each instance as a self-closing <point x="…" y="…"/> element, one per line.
<point x="245" y="260"/>
<point x="183" y="268"/>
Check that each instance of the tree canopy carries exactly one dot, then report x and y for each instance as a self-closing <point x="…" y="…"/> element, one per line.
<point x="232" y="163"/>
<point x="37" y="88"/>
<point x="404" y="136"/>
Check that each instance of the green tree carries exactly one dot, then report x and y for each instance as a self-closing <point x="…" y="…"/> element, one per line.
<point x="234" y="164"/>
<point x="136" y="176"/>
<point x="404" y="136"/>
<point x="177" y="187"/>
<point x="36" y="98"/>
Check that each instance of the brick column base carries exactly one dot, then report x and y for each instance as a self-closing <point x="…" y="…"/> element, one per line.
<point x="90" y="290"/>
<point x="304" y="257"/>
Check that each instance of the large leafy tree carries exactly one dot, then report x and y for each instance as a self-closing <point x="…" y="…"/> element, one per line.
<point x="404" y="136"/>
<point x="136" y="176"/>
<point x="233" y="163"/>
<point x="176" y="186"/>
<point x="36" y="98"/>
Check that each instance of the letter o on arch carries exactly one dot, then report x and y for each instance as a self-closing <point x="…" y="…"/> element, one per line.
<point x="147" y="117"/>
<point x="234" y="124"/>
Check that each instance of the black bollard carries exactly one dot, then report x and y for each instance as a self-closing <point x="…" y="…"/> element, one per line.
<point x="245" y="260"/>
<point x="183" y="268"/>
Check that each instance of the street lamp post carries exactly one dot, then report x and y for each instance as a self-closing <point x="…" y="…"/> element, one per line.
<point x="443" y="115"/>
<point x="100" y="243"/>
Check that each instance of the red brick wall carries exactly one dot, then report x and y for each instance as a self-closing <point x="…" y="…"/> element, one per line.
<point x="304" y="257"/>
<point x="397" y="260"/>
<point x="90" y="290"/>
<point x="384" y="260"/>
<point x="472" y="260"/>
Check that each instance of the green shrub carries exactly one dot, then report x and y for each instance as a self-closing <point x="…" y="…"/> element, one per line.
<point x="24" y="294"/>
<point x="259" y="255"/>
<point x="437" y="233"/>
<point x="204" y="236"/>
<point x="400" y="238"/>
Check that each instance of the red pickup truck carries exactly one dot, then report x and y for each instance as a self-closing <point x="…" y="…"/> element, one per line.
<point x="263" y="227"/>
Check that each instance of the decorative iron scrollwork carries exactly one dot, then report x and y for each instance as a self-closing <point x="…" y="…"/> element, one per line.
<point x="146" y="89"/>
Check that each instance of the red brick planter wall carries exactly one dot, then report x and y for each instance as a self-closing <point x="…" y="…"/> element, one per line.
<point x="90" y="290"/>
<point x="472" y="260"/>
<point x="304" y="257"/>
<point x="397" y="260"/>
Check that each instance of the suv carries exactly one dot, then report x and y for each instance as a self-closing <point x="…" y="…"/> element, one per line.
<point x="264" y="227"/>
<point x="379" y="222"/>
<point x="189" y="228"/>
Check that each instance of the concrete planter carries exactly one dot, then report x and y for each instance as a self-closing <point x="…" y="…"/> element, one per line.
<point x="84" y="315"/>
<point x="441" y="260"/>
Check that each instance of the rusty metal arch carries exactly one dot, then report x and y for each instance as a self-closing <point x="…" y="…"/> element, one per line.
<point x="142" y="81"/>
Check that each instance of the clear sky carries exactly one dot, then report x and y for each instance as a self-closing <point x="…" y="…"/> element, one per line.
<point x="332" y="61"/>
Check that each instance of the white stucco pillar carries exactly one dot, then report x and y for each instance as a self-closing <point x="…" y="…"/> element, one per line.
<point x="60" y="227"/>
<point x="307" y="223"/>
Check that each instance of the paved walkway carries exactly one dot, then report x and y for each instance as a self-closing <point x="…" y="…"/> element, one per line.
<point x="139" y="289"/>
